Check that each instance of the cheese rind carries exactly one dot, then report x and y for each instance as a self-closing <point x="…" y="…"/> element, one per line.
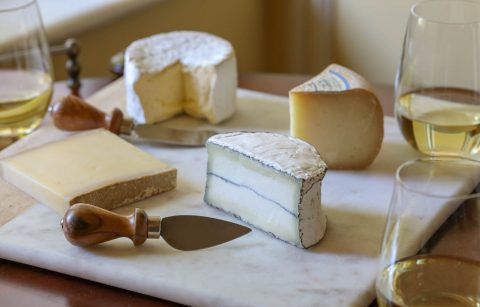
<point x="270" y="181"/>
<point x="187" y="71"/>
<point x="95" y="167"/>
<point x="338" y="113"/>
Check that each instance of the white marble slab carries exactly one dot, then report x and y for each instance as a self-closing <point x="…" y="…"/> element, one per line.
<point x="254" y="270"/>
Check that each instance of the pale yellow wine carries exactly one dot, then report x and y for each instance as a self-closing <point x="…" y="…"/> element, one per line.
<point x="430" y="280"/>
<point x="441" y="121"/>
<point x="24" y="99"/>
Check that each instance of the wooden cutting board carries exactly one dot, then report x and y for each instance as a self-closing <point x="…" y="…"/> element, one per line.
<point x="255" y="270"/>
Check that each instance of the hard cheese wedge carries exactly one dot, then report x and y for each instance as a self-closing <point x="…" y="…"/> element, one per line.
<point x="270" y="181"/>
<point x="95" y="167"/>
<point x="338" y="113"/>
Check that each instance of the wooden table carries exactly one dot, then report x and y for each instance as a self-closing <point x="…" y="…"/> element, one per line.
<point x="23" y="285"/>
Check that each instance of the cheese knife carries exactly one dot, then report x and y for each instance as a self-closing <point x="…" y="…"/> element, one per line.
<point x="86" y="225"/>
<point x="72" y="113"/>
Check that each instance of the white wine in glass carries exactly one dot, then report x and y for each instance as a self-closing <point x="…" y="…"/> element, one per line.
<point x="430" y="253"/>
<point x="25" y="69"/>
<point x="437" y="90"/>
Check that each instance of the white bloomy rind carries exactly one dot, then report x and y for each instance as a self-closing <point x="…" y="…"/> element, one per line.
<point x="182" y="71"/>
<point x="270" y="181"/>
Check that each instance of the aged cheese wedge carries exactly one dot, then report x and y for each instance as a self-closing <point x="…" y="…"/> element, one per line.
<point x="95" y="167"/>
<point x="188" y="71"/>
<point x="270" y="181"/>
<point x="338" y="113"/>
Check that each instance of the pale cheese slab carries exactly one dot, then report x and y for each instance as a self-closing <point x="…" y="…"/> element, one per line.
<point x="95" y="167"/>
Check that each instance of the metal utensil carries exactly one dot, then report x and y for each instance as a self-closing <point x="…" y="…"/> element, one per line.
<point x="86" y="225"/>
<point x="75" y="114"/>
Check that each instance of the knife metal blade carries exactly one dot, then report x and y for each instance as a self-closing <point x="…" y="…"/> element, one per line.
<point x="164" y="135"/>
<point x="192" y="232"/>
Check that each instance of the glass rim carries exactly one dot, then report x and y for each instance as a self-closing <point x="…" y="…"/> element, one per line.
<point x="430" y="159"/>
<point x="419" y="16"/>
<point x="24" y="4"/>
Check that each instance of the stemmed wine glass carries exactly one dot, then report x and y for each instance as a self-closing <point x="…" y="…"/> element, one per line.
<point x="437" y="90"/>
<point x="25" y="69"/>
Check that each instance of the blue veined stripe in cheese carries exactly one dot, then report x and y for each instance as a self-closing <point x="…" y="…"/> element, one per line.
<point x="270" y="181"/>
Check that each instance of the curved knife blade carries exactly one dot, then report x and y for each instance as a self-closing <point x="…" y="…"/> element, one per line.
<point x="192" y="232"/>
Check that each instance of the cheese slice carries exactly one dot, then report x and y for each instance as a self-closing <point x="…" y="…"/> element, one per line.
<point x="270" y="181"/>
<point x="182" y="71"/>
<point x="338" y="113"/>
<point x="95" y="167"/>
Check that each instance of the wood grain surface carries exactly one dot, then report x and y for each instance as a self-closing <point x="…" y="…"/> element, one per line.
<point x="86" y="225"/>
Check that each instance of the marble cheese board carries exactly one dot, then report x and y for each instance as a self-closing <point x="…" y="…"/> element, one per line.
<point x="254" y="270"/>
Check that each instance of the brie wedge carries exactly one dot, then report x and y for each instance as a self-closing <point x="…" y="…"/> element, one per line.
<point x="183" y="71"/>
<point x="270" y="181"/>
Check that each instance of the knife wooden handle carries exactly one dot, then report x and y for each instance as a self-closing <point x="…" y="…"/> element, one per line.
<point x="75" y="114"/>
<point x="86" y="225"/>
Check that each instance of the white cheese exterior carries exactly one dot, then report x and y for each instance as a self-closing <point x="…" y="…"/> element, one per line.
<point x="96" y="167"/>
<point x="182" y="71"/>
<point x="338" y="113"/>
<point x="270" y="181"/>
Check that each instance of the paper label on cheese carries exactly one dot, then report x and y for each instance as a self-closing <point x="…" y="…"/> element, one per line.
<point x="334" y="78"/>
<point x="332" y="81"/>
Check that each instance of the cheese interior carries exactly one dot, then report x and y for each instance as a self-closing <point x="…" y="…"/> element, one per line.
<point x="153" y="106"/>
<point x="96" y="165"/>
<point x="346" y="130"/>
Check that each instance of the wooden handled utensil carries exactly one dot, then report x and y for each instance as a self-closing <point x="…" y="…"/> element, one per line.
<point x="75" y="114"/>
<point x="86" y="225"/>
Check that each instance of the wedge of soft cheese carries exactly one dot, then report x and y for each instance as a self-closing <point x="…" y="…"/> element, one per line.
<point x="270" y="181"/>
<point x="182" y="71"/>
<point x="95" y="167"/>
<point x="338" y="113"/>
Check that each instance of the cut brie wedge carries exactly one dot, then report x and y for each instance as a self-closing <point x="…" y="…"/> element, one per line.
<point x="180" y="71"/>
<point x="270" y="181"/>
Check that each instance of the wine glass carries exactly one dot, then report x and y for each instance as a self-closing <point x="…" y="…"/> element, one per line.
<point x="437" y="89"/>
<point x="430" y="253"/>
<point x="25" y="69"/>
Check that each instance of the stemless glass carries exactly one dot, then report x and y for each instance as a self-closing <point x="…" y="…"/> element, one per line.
<point x="437" y="98"/>
<point x="25" y="69"/>
<point x="430" y="253"/>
